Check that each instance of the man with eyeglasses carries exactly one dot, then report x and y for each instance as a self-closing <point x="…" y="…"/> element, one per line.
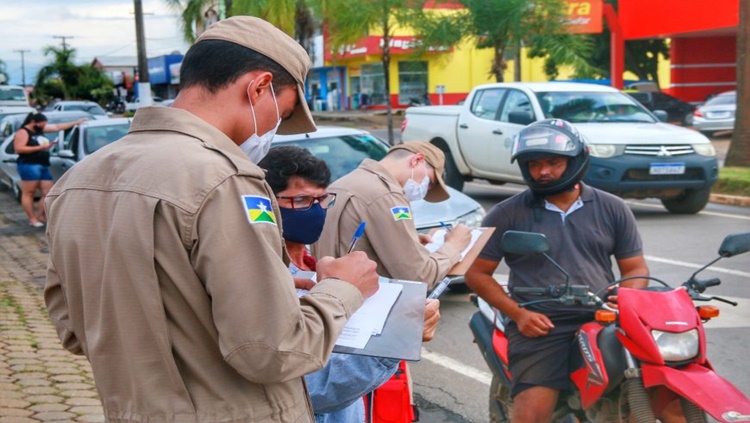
<point x="380" y="193"/>
<point x="299" y="181"/>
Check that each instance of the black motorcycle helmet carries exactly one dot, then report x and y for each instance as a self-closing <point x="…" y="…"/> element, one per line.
<point x="546" y="138"/>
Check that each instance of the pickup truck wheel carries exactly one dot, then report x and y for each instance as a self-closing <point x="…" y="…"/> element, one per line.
<point x="691" y="202"/>
<point x="453" y="178"/>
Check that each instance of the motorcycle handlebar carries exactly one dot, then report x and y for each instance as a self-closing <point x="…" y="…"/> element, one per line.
<point x="531" y="291"/>
<point x="701" y="285"/>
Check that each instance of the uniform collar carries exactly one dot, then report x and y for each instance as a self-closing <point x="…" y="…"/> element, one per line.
<point x="376" y="168"/>
<point x="168" y="119"/>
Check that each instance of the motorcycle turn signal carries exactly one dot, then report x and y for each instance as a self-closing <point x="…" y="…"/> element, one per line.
<point x="605" y="316"/>
<point x="708" y="312"/>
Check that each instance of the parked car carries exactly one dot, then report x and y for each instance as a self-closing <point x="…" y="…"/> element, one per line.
<point x="15" y="110"/>
<point x="132" y="106"/>
<point x="677" y="110"/>
<point x="716" y="114"/>
<point x="77" y="143"/>
<point x="13" y="96"/>
<point x="85" y="139"/>
<point x="343" y="149"/>
<point x="85" y="106"/>
<point x="633" y="154"/>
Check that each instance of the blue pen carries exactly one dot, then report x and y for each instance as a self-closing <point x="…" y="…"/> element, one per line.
<point x="357" y="235"/>
<point x="447" y="228"/>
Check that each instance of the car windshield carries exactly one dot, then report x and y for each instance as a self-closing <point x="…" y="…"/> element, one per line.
<point x="97" y="137"/>
<point x="12" y="94"/>
<point x="583" y="107"/>
<point x="344" y="153"/>
<point x="94" y="109"/>
<point x="722" y="100"/>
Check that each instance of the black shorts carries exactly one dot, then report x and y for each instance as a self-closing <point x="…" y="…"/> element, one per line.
<point x="544" y="361"/>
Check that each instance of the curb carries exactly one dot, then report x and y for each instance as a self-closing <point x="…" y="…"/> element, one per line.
<point x="731" y="200"/>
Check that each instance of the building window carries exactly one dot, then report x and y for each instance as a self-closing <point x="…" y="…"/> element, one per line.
<point x="373" y="86"/>
<point x="412" y="83"/>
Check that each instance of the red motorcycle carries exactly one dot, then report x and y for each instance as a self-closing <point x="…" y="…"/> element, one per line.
<point x="637" y="359"/>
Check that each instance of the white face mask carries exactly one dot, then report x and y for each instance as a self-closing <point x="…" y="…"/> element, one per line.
<point x="416" y="191"/>
<point x="256" y="147"/>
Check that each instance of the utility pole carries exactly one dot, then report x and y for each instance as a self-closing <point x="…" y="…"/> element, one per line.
<point x="63" y="37"/>
<point x="23" y="66"/>
<point x="144" y="87"/>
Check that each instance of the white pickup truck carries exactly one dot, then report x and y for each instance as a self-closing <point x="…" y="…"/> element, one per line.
<point x="633" y="153"/>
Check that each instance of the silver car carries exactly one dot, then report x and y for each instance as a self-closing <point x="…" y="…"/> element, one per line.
<point x="85" y="106"/>
<point x="84" y="140"/>
<point x="8" y="127"/>
<point x="343" y="149"/>
<point x="717" y="114"/>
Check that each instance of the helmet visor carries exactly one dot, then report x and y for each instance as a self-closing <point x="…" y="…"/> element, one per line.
<point x="540" y="142"/>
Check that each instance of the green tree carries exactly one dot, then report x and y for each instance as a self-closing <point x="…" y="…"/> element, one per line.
<point x="281" y="13"/>
<point x="62" y="78"/>
<point x="347" y="21"/>
<point x="739" y="149"/>
<point x="641" y="57"/>
<point x="60" y="68"/>
<point x="506" y="25"/>
<point x="3" y="74"/>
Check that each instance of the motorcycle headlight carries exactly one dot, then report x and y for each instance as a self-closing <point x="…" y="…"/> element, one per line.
<point x="676" y="346"/>
<point x="604" y="150"/>
<point x="472" y="219"/>
<point x="707" y="150"/>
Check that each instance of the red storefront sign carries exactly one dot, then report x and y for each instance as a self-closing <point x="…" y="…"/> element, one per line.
<point x="373" y="44"/>
<point x="584" y="17"/>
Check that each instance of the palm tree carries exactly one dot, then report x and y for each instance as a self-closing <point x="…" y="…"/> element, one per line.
<point x="61" y="68"/>
<point x="194" y="13"/>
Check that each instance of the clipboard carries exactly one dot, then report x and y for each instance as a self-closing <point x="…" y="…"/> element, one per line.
<point x="460" y="268"/>
<point x="401" y="338"/>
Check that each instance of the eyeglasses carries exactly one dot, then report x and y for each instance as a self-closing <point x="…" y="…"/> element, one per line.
<point x="304" y="202"/>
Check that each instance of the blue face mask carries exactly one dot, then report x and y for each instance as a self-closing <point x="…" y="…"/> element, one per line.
<point x="303" y="227"/>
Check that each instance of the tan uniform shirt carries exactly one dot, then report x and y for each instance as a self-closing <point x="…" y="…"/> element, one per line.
<point x="370" y="194"/>
<point x="168" y="272"/>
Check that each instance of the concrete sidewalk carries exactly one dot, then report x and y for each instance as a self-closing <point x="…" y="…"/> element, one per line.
<point x="39" y="380"/>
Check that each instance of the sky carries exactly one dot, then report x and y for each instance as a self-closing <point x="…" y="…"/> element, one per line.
<point x="96" y="28"/>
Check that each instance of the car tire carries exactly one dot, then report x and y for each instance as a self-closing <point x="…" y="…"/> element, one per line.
<point x="17" y="192"/>
<point x="708" y="134"/>
<point x="453" y="178"/>
<point x="691" y="202"/>
<point x="687" y="120"/>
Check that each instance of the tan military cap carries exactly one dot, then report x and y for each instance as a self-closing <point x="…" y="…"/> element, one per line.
<point x="264" y="38"/>
<point x="435" y="158"/>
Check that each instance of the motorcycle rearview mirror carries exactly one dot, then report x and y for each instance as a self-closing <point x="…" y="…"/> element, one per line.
<point x="735" y="244"/>
<point x="517" y="242"/>
<point x="732" y="245"/>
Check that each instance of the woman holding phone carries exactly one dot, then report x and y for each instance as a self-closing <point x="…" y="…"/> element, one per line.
<point x="33" y="162"/>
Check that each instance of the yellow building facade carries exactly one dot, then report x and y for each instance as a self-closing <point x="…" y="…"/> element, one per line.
<point x="354" y="78"/>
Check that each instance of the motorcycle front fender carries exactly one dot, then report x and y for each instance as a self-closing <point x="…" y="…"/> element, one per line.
<point x="703" y="387"/>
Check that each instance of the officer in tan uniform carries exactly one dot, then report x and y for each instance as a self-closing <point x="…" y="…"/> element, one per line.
<point x="379" y="193"/>
<point x="167" y="267"/>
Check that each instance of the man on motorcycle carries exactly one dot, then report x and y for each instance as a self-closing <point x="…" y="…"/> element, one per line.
<point x="585" y="228"/>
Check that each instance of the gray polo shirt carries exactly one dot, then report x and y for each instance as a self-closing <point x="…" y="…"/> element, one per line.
<point x="582" y="243"/>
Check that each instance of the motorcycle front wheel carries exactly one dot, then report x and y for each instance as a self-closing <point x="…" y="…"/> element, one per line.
<point x="500" y="403"/>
